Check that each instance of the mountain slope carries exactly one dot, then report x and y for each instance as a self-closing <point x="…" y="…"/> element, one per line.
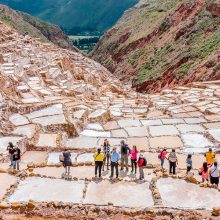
<point x="164" y="43"/>
<point x="25" y="23"/>
<point x="75" y="15"/>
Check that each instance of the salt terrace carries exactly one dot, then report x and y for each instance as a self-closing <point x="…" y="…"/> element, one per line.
<point x="53" y="99"/>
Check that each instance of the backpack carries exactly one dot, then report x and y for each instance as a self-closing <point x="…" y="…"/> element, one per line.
<point x="124" y="149"/>
<point x="145" y="162"/>
<point x="160" y="155"/>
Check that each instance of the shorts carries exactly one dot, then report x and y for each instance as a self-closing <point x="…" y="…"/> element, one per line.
<point x="214" y="180"/>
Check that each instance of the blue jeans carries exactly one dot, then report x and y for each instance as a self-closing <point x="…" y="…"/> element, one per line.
<point x="16" y="164"/>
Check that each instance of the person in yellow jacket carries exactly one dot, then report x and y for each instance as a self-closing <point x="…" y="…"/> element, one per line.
<point x="210" y="157"/>
<point x="99" y="157"/>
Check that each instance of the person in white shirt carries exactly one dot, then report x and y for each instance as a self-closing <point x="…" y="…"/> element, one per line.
<point x="214" y="173"/>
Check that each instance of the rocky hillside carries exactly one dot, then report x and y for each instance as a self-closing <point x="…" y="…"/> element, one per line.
<point x="25" y="23"/>
<point x="160" y="44"/>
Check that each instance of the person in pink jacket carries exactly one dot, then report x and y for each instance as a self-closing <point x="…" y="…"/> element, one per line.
<point x="133" y="154"/>
<point x="162" y="156"/>
<point x="204" y="172"/>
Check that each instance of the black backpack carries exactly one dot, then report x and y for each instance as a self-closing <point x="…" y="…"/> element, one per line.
<point x="124" y="149"/>
<point x="145" y="162"/>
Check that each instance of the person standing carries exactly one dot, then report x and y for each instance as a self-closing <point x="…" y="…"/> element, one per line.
<point x="210" y="157"/>
<point x="114" y="162"/>
<point x="99" y="157"/>
<point x="204" y="172"/>
<point x="16" y="158"/>
<point x="67" y="162"/>
<point x="124" y="155"/>
<point x="106" y="150"/>
<point x="188" y="163"/>
<point x="214" y="173"/>
<point x="133" y="154"/>
<point x="141" y="163"/>
<point x="10" y="149"/>
<point x="173" y="161"/>
<point x="162" y="156"/>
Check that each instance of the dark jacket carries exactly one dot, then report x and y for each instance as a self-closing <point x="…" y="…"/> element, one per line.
<point x="16" y="154"/>
<point x="125" y="149"/>
<point x="67" y="159"/>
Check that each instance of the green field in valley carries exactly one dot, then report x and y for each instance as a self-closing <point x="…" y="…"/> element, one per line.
<point x="83" y="42"/>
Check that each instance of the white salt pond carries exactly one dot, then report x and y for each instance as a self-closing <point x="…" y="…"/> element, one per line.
<point x="186" y="128"/>
<point x="47" y="140"/>
<point x="50" y="120"/>
<point x="6" y="181"/>
<point x="177" y="193"/>
<point x="80" y="172"/>
<point x="97" y="113"/>
<point x="82" y="143"/>
<point x="215" y="133"/>
<point x="93" y="133"/>
<point x="137" y="131"/>
<point x="18" y="119"/>
<point x="196" y="150"/>
<point x="25" y="130"/>
<point x="129" y="123"/>
<point x="45" y="190"/>
<point x="196" y="140"/>
<point x="120" y="194"/>
<point x="151" y="122"/>
<point x="95" y="126"/>
<point x="87" y="157"/>
<point x="52" y="110"/>
<point x="163" y="130"/>
<point x="53" y="158"/>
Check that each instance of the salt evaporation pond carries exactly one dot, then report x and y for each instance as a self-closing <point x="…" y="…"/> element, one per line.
<point x="45" y="190"/>
<point x="177" y="193"/>
<point x="120" y="194"/>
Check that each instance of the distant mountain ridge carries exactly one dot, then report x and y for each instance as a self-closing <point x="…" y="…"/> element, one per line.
<point x="27" y="24"/>
<point x="75" y="15"/>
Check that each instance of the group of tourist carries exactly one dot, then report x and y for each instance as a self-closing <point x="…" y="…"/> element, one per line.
<point x="209" y="170"/>
<point x="109" y="157"/>
<point x="106" y="157"/>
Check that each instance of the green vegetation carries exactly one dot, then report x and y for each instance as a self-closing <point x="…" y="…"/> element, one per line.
<point x="217" y="68"/>
<point x="109" y="62"/>
<point x="183" y="69"/>
<point x="205" y="47"/>
<point x="194" y="44"/>
<point x="85" y="43"/>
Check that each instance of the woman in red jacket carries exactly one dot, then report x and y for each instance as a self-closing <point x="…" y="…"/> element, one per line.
<point x="141" y="163"/>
